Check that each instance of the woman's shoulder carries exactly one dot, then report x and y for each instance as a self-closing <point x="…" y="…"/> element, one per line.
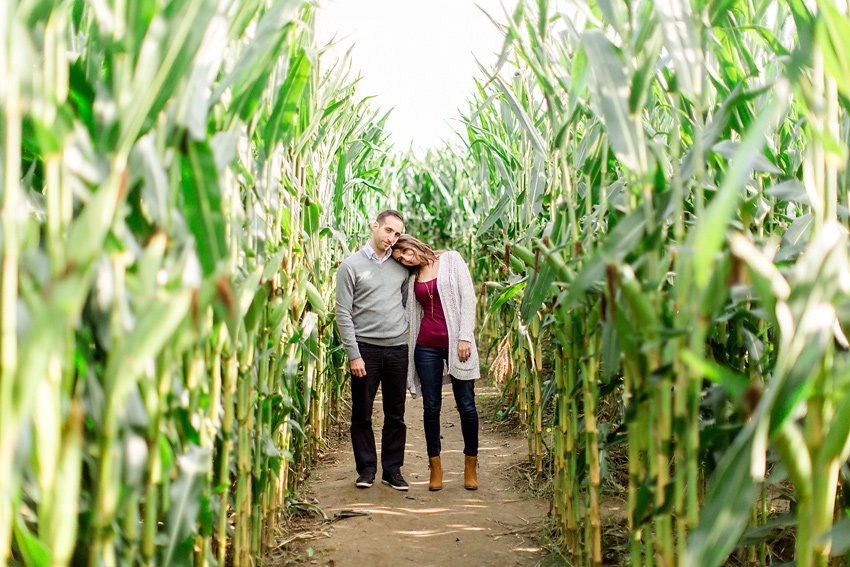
<point x="457" y="259"/>
<point x="448" y="258"/>
<point x="453" y="254"/>
<point x="454" y="262"/>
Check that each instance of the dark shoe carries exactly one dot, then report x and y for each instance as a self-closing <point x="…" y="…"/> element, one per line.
<point x="394" y="480"/>
<point x="365" y="480"/>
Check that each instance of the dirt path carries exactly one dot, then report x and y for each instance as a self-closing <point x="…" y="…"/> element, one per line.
<point x="493" y="526"/>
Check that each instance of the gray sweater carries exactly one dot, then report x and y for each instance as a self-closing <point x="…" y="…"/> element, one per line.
<point x="369" y="303"/>
<point x="457" y="295"/>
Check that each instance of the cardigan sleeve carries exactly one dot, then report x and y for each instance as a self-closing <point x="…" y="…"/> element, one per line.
<point x="413" y="318"/>
<point x="466" y="290"/>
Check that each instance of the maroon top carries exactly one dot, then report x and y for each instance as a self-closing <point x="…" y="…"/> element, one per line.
<point x="433" y="331"/>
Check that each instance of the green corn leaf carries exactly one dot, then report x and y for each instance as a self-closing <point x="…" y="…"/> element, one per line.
<point x="706" y="239"/>
<point x="282" y="118"/>
<point x="614" y="12"/>
<point x="170" y="47"/>
<point x="836" y="444"/>
<point x="63" y="305"/>
<point x="247" y="288"/>
<point x="578" y="80"/>
<point x="732" y="104"/>
<point x="639" y="302"/>
<point x="506" y="295"/>
<point x="797" y="235"/>
<point x="768" y="531"/>
<point x="625" y="236"/>
<point x="536" y="293"/>
<point x="339" y="183"/>
<point x="524" y="119"/>
<point x="67" y="488"/>
<point x="799" y="382"/>
<point x="154" y="328"/>
<point x="272" y="267"/>
<point x="642" y="81"/>
<point x="246" y="12"/>
<point x="717" y="10"/>
<point x="730" y="149"/>
<point x="255" y="311"/>
<point x="729" y="503"/>
<point x="155" y="190"/>
<point x="497" y="213"/>
<point x="82" y="96"/>
<point x="202" y="205"/>
<point x="832" y="35"/>
<point x="180" y="524"/>
<point x="33" y="551"/>
<point x="805" y="22"/>
<point x="791" y="190"/>
<point x="713" y="299"/>
<point x="768" y="281"/>
<point x="88" y="232"/>
<point x="250" y="72"/>
<point x="839" y="537"/>
<point x="611" y="351"/>
<point x="731" y="381"/>
<point x="312" y="212"/>
<point x="612" y="88"/>
<point x="680" y="40"/>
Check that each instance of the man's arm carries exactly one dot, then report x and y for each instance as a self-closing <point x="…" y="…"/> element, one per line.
<point x="344" y="320"/>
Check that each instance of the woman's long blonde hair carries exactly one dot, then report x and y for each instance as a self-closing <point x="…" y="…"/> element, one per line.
<point x="426" y="253"/>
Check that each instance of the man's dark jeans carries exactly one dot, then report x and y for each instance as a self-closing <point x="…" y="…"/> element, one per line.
<point x="387" y="367"/>
<point x="429" y="366"/>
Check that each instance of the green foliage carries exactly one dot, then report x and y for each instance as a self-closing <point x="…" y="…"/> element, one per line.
<point x="168" y="212"/>
<point x="687" y="231"/>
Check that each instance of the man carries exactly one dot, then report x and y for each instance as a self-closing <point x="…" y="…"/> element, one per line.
<point x="371" y="319"/>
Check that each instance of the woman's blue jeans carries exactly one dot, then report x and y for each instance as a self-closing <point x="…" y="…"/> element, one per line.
<point x="429" y="366"/>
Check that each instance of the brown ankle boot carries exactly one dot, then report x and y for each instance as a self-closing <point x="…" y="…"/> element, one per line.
<point x="436" y="482"/>
<point x="470" y="473"/>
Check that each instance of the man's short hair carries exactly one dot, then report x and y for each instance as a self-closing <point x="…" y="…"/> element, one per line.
<point x="389" y="213"/>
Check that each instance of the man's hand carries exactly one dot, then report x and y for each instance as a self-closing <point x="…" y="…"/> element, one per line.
<point x="358" y="367"/>
<point x="464" y="350"/>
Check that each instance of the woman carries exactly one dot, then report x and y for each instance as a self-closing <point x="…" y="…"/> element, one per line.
<point x="441" y="312"/>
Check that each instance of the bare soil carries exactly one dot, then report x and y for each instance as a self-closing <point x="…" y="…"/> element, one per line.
<point x="500" y="524"/>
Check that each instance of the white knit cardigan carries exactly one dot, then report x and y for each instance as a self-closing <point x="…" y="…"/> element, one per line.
<point x="457" y="295"/>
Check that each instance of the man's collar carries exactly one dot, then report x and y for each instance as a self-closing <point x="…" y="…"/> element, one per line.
<point x="370" y="250"/>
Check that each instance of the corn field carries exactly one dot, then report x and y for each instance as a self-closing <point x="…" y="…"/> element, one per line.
<point x="652" y="195"/>
<point x="178" y="181"/>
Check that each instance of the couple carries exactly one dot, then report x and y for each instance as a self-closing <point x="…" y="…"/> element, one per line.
<point x="394" y="279"/>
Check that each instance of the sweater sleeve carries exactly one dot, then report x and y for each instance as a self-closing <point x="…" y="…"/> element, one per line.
<point x="467" y="299"/>
<point x="344" y="303"/>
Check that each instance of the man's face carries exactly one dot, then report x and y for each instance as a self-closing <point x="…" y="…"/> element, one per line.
<point x="385" y="233"/>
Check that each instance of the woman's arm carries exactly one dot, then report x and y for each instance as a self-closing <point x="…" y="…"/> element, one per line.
<point x="466" y="293"/>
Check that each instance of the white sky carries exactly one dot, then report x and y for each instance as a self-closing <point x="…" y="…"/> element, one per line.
<point x="416" y="56"/>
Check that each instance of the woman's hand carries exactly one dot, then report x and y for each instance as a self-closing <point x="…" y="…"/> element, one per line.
<point x="464" y="350"/>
